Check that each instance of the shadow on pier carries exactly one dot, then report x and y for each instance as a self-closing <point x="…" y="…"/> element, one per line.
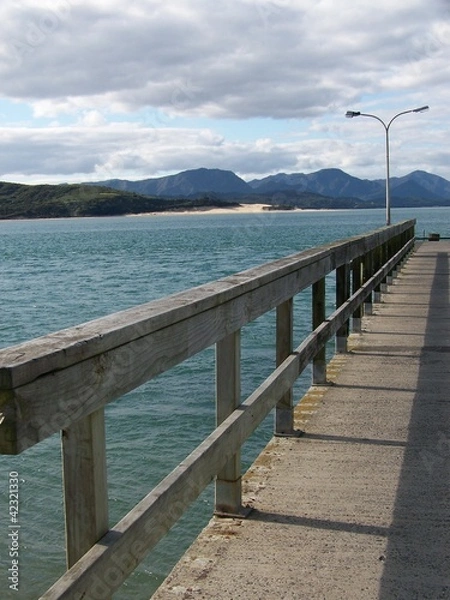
<point x="418" y="552"/>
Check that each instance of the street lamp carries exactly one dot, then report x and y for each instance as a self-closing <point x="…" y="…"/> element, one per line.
<point x="350" y="114"/>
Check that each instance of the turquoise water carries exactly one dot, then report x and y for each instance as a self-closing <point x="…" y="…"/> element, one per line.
<point x="58" y="273"/>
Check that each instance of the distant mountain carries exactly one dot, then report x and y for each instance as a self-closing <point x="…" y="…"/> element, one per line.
<point x="280" y="182"/>
<point x="420" y="184"/>
<point x="186" y="184"/>
<point x="328" y="182"/>
<point x="417" y="188"/>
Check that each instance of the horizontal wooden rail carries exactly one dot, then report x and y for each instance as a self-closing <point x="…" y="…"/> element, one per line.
<point x="63" y="381"/>
<point x="51" y="382"/>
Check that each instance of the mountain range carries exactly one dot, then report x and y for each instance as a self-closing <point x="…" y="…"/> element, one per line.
<point x="203" y="189"/>
<point x="417" y="188"/>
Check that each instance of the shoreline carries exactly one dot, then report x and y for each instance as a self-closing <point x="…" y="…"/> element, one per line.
<point x="241" y="209"/>
<point x="236" y="210"/>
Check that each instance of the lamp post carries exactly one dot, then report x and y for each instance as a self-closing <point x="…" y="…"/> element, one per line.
<point x="350" y="114"/>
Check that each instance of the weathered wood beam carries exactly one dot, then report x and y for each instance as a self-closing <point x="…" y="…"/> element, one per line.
<point x="284" y="410"/>
<point x="85" y="484"/>
<point x="228" y="492"/>
<point x="319" y="365"/>
<point x="357" y="267"/>
<point x="342" y="294"/>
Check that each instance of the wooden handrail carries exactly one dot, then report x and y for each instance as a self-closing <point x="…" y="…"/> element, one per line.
<point x="63" y="381"/>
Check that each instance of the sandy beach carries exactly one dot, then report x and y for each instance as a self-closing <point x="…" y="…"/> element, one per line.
<point x="241" y="209"/>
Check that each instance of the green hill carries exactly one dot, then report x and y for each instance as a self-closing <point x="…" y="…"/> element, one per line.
<point x="18" y="201"/>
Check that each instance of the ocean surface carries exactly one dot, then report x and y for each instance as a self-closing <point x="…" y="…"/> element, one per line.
<point x="62" y="272"/>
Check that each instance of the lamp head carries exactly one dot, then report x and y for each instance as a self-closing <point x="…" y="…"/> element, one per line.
<point x="352" y="113"/>
<point x="421" y="109"/>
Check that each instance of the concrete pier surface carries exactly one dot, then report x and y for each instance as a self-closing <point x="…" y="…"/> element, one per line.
<point x="359" y="506"/>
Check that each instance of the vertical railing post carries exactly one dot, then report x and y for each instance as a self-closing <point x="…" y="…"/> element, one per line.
<point x="377" y="261"/>
<point x="342" y="295"/>
<point x="402" y="239"/>
<point x="356" y="284"/>
<point x="396" y="245"/>
<point x="405" y="239"/>
<point x="85" y="484"/>
<point x="388" y="280"/>
<point x="284" y="411"/>
<point x="392" y="247"/>
<point x="228" y="499"/>
<point x="367" y="274"/>
<point x="319" y="365"/>
<point x="384" y="251"/>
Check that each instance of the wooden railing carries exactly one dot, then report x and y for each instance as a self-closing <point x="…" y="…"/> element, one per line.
<point x="62" y="382"/>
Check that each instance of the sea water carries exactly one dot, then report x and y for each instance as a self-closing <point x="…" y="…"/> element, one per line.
<point x="62" y="272"/>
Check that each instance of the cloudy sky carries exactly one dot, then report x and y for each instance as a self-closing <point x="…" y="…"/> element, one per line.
<point x="145" y="88"/>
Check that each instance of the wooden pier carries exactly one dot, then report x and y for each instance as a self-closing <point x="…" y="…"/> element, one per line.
<point x="380" y="434"/>
<point x="359" y="506"/>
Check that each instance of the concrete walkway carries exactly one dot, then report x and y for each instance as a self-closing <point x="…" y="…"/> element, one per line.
<point x="359" y="507"/>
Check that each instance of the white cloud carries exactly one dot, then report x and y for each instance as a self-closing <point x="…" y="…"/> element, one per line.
<point x="100" y="69"/>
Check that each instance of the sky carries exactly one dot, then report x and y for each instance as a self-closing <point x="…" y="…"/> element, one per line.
<point x="91" y="91"/>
